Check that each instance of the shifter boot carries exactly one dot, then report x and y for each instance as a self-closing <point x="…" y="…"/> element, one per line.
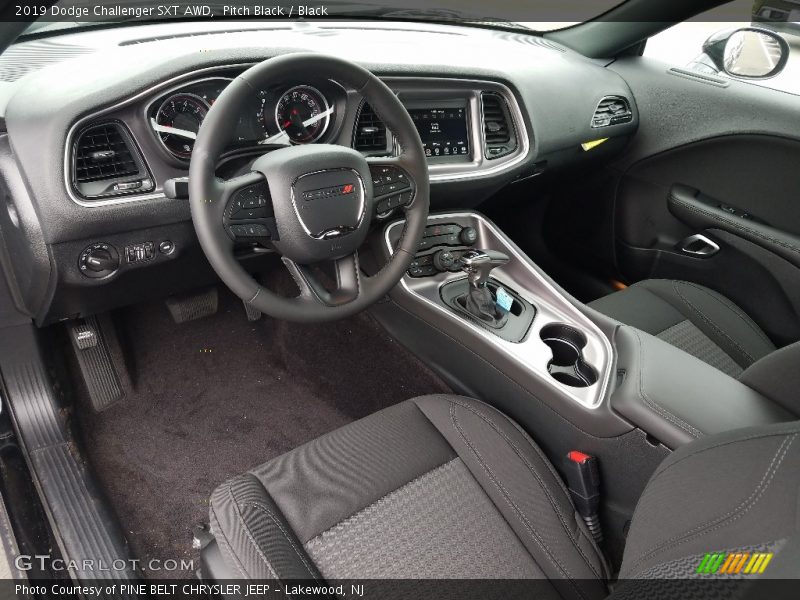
<point x="480" y="303"/>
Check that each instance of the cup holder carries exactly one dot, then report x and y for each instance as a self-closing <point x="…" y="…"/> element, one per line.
<point x="568" y="365"/>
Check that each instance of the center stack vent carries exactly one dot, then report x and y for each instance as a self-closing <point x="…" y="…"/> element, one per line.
<point x="498" y="129"/>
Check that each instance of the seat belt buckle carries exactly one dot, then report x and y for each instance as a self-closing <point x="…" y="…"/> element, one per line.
<point x="583" y="483"/>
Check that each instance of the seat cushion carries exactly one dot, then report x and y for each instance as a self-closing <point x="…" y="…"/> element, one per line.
<point x="435" y="487"/>
<point x="693" y="318"/>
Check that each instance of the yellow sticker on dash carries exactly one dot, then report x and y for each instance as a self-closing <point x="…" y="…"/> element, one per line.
<point x="593" y="144"/>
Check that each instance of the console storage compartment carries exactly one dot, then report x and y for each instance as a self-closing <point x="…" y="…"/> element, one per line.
<point x="676" y="397"/>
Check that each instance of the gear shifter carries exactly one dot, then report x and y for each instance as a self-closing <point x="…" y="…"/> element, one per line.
<point x="479" y="301"/>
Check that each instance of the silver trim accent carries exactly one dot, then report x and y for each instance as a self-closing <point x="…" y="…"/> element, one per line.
<point x="179" y="81"/>
<point x="521" y="275"/>
<point x="711" y="249"/>
<point x="324" y="102"/>
<point x="325" y="234"/>
<point x="474" y="169"/>
<point x="164" y="87"/>
<point x="153" y="122"/>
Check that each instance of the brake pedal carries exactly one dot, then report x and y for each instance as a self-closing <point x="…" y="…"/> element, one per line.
<point x="188" y="307"/>
<point x="91" y="343"/>
<point x="253" y="314"/>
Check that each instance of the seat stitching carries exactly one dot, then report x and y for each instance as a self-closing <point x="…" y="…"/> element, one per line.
<point x="734" y="309"/>
<point x="654" y="406"/>
<point x="271" y="515"/>
<point x="758" y="436"/>
<point x="732" y="515"/>
<point x="708" y="320"/>
<point x="507" y="497"/>
<point x="227" y="545"/>
<point x="248" y="532"/>
<point x="536" y="476"/>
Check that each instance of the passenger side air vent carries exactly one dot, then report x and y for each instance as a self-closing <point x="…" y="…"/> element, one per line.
<point x="498" y="129"/>
<point x="370" y="133"/>
<point x="106" y="162"/>
<point x="612" y="110"/>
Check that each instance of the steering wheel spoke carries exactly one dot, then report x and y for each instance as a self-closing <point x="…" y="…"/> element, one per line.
<point x="348" y="285"/>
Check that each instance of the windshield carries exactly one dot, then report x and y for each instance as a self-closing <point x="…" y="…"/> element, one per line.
<point x="536" y="15"/>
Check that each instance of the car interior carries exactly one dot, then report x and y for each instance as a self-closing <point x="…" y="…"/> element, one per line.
<point x="400" y="300"/>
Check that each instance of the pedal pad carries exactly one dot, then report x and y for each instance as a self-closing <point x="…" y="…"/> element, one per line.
<point x="91" y="343"/>
<point x="189" y="307"/>
<point x="253" y="314"/>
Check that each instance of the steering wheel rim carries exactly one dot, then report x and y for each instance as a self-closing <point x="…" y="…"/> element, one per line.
<point x="210" y="197"/>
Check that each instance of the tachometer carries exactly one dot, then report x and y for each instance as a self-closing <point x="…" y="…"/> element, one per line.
<point x="303" y="114"/>
<point x="177" y="122"/>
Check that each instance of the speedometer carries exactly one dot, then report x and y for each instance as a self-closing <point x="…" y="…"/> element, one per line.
<point x="303" y="114"/>
<point x="177" y="122"/>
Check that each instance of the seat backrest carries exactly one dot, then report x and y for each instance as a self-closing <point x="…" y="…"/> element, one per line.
<point x="715" y="506"/>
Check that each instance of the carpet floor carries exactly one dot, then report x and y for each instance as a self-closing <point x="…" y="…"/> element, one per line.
<point x="214" y="397"/>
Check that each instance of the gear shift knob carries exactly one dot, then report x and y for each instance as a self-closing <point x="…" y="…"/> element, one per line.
<point x="478" y="264"/>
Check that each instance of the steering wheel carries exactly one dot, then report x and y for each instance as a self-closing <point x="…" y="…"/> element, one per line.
<point x="312" y="203"/>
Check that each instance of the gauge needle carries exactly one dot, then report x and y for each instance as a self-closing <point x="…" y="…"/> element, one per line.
<point x="173" y="130"/>
<point x="310" y="121"/>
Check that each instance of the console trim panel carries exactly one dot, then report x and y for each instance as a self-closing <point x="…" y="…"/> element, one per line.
<point x="522" y="276"/>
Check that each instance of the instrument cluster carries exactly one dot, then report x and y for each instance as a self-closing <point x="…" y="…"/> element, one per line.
<point x="297" y="113"/>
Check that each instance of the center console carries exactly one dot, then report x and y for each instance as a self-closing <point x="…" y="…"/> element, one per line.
<point x="541" y="331"/>
<point x="474" y="308"/>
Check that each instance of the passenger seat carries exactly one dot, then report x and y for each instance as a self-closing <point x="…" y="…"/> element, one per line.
<point x="693" y="318"/>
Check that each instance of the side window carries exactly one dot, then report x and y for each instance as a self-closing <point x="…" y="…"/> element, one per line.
<point x="757" y="42"/>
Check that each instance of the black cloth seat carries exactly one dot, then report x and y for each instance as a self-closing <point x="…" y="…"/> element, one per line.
<point x="693" y="318"/>
<point x="448" y="487"/>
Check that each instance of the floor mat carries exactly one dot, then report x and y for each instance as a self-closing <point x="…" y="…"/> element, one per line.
<point x="214" y="397"/>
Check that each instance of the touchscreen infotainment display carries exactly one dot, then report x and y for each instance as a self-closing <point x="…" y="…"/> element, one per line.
<point x="443" y="130"/>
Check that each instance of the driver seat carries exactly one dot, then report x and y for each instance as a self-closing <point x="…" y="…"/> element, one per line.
<point x="448" y="487"/>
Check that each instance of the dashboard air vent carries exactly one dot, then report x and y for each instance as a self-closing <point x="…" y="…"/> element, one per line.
<point x="370" y="134"/>
<point x="612" y="110"/>
<point x="106" y="162"/>
<point x="498" y="131"/>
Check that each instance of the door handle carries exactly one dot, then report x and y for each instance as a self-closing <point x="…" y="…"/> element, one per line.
<point x="699" y="245"/>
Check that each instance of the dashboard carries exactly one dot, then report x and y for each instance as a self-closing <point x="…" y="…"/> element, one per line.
<point x="85" y="164"/>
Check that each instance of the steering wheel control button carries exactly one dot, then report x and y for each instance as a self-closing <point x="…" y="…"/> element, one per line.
<point x="98" y="260"/>
<point x="251" y="202"/>
<point x="388" y="180"/>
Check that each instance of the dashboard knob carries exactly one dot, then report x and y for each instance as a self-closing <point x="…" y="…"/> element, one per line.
<point x="468" y="236"/>
<point x="444" y="260"/>
<point x="98" y="260"/>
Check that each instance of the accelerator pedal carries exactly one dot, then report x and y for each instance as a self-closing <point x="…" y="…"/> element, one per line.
<point x="92" y="339"/>
<point x="196" y="305"/>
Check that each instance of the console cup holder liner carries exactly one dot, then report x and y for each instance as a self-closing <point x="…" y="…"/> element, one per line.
<point x="568" y="364"/>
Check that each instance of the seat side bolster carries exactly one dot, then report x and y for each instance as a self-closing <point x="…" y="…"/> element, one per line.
<point x="253" y="534"/>
<point x="726" y="492"/>
<point x="524" y="488"/>
<point x="777" y="377"/>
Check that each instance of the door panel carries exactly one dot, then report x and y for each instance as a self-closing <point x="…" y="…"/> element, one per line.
<point x="722" y="161"/>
